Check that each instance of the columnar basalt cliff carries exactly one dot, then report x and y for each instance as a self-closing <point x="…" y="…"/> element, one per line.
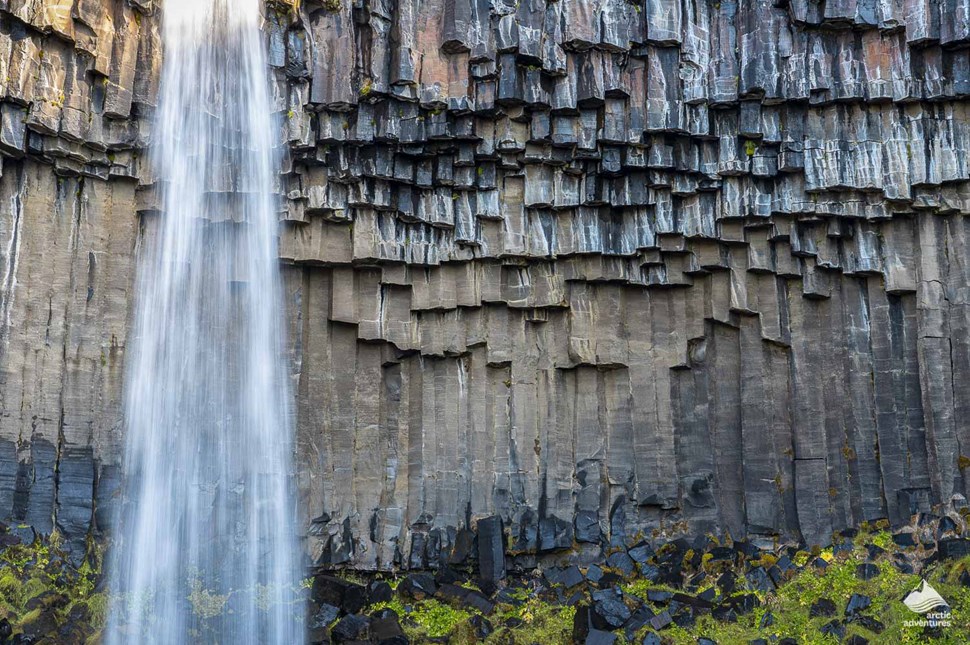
<point x="77" y="80"/>
<point x="560" y="274"/>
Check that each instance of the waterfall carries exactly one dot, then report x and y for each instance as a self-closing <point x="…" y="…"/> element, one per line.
<point x="205" y="547"/>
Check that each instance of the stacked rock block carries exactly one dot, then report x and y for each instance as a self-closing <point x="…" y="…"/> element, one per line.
<point x="603" y="268"/>
<point x="562" y="274"/>
<point x="72" y="123"/>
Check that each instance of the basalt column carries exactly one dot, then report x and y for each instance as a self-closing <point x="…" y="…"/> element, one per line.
<point x="571" y="273"/>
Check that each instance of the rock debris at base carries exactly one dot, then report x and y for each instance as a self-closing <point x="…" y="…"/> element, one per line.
<point x="560" y="275"/>
<point x="708" y="593"/>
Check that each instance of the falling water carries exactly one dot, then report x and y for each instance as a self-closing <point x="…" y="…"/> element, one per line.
<point x="205" y="548"/>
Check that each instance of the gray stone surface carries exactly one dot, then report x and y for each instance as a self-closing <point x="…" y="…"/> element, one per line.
<point x="589" y="269"/>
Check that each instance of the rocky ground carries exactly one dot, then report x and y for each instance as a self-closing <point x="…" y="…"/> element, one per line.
<point x="702" y="591"/>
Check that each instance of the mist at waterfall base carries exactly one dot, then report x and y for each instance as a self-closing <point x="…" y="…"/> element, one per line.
<point x="204" y="549"/>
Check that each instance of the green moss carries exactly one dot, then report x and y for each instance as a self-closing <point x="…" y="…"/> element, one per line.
<point x="428" y="618"/>
<point x="432" y="618"/>
<point x="791" y="603"/>
<point x="205" y="603"/>
<point x="438" y="619"/>
<point x="38" y="576"/>
<point x="98" y="605"/>
<point x="520" y="594"/>
<point x="641" y="586"/>
<point x="536" y="621"/>
<point x="542" y="622"/>
<point x="883" y="539"/>
<point x="32" y="588"/>
<point x="9" y="585"/>
<point x="536" y="618"/>
<point x="30" y="617"/>
<point x="395" y="604"/>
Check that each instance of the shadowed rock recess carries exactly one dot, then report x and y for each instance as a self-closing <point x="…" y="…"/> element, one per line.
<point x="560" y="274"/>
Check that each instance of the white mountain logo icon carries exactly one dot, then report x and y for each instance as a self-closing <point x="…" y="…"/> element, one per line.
<point x="924" y="598"/>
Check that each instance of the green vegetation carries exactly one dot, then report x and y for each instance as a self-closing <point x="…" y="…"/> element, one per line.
<point x="426" y="618"/>
<point x="541" y="622"/>
<point x="528" y="617"/>
<point x="436" y="619"/>
<point x="790" y="604"/>
<point x="41" y="591"/>
<point x="205" y="603"/>
<point x="534" y="621"/>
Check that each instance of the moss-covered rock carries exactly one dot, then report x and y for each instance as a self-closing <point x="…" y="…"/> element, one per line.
<point x="682" y="593"/>
<point x="711" y="592"/>
<point x="45" y="598"/>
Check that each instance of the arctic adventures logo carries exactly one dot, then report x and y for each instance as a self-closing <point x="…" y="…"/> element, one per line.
<point x="927" y="601"/>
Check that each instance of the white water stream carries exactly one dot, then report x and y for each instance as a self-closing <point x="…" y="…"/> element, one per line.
<point x="205" y="548"/>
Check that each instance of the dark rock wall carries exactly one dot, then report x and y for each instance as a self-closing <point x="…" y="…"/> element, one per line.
<point x="591" y="269"/>
<point x="77" y="81"/>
